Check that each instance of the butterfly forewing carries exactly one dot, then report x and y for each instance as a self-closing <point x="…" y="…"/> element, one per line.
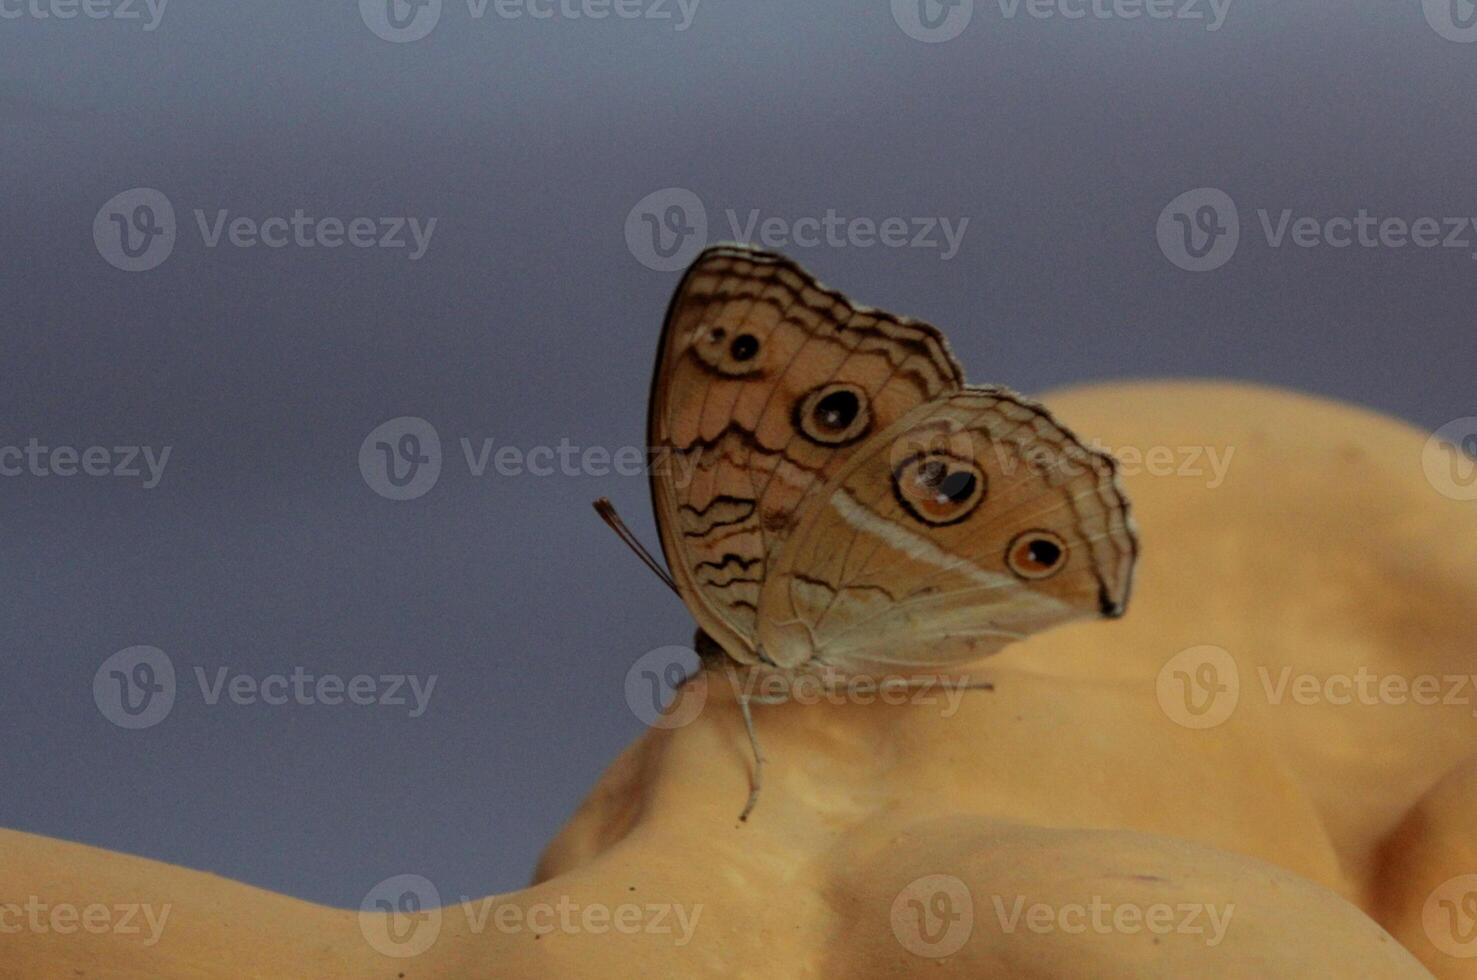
<point x="766" y="384"/>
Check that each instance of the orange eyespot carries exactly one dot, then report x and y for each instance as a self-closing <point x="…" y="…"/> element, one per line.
<point x="939" y="488"/>
<point x="834" y="414"/>
<point x="1037" y="554"/>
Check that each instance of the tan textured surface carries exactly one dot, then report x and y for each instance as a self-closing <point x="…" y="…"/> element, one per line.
<point x="1324" y="550"/>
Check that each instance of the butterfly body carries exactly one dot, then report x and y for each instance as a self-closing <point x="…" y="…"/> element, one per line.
<point x="837" y="498"/>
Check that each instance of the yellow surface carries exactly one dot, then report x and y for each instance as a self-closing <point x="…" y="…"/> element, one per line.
<point x="1321" y="552"/>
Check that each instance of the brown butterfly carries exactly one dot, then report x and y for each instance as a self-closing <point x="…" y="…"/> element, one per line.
<point x="836" y="498"/>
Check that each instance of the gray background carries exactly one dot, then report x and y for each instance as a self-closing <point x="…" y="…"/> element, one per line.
<point x="529" y="321"/>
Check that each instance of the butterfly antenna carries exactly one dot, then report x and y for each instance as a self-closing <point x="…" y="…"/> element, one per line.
<point x="607" y="513"/>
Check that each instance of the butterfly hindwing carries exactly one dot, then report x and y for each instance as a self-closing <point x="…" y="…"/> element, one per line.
<point x="974" y="521"/>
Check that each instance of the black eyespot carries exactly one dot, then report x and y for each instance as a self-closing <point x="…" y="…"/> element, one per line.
<point x="957" y="486"/>
<point x="837" y="410"/>
<point x="1036" y="554"/>
<point x="1044" y="552"/>
<point x="724" y="350"/>
<point x="938" y="488"/>
<point x="834" y="415"/>
<point x="744" y="347"/>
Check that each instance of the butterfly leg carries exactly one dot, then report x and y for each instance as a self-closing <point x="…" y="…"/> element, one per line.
<point x="758" y="779"/>
<point x="744" y="698"/>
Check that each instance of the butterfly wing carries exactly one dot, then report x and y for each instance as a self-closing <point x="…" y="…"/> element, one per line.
<point x="972" y="522"/>
<point x="765" y="383"/>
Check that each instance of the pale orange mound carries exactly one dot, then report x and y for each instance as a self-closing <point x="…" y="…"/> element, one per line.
<point x="1205" y="788"/>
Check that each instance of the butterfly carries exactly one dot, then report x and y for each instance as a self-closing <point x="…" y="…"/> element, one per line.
<point x="832" y="496"/>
